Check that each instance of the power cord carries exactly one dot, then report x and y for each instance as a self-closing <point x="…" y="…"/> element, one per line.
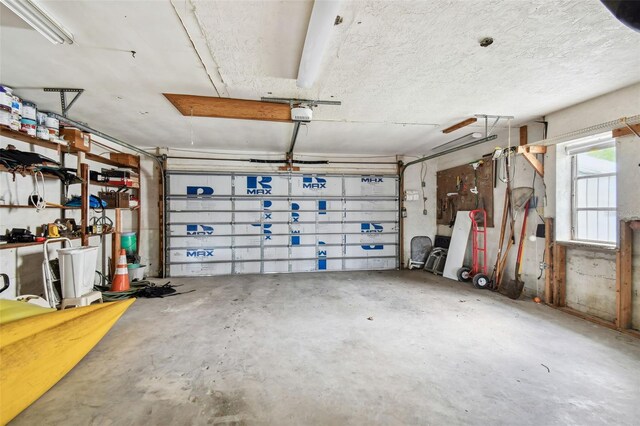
<point x="37" y="197"/>
<point x="423" y="175"/>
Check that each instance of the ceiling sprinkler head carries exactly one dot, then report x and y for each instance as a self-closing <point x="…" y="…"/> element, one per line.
<point x="487" y="41"/>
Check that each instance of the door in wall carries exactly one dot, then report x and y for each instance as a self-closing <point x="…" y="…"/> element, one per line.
<point x="243" y="224"/>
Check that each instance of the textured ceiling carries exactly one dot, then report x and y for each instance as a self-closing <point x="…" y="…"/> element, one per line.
<point x="403" y="70"/>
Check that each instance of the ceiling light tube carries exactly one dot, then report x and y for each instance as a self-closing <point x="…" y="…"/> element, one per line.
<point x="40" y="20"/>
<point x="459" y="141"/>
<point x="323" y="17"/>
<point x="590" y="143"/>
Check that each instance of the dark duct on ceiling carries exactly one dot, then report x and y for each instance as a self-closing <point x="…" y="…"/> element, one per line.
<point x="625" y="11"/>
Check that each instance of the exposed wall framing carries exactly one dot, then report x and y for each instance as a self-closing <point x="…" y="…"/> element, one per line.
<point x="555" y="284"/>
<point x="624" y="283"/>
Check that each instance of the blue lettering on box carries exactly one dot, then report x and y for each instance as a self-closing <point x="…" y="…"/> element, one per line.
<point x="369" y="228"/>
<point x="200" y="253"/>
<point x="295" y="239"/>
<point x="295" y="216"/>
<point x="375" y="247"/>
<point x="197" y="191"/>
<point x="311" y="182"/>
<point x="258" y="185"/>
<point x="322" y="207"/>
<point x="371" y="179"/>
<point x="322" y="257"/>
<point x="265" y="229"/>
<point x="266" y="204"/>
<point x="205" y="229"/>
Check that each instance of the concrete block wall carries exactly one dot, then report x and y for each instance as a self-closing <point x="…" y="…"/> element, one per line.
<point x="591" y="282"/>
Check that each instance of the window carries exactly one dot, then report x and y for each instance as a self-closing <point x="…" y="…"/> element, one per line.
<point x="593" y="164"/>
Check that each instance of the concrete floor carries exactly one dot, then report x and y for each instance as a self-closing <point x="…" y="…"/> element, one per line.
<point x="299" y="349"/>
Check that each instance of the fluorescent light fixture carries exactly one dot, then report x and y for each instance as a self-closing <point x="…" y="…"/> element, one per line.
<point x="323" y="17"/>
<point x="590" y="143"/>
<point x="40" y="20"/>
<point x="459" y="141"/>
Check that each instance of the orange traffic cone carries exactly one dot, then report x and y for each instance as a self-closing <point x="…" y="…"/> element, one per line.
<point x="121" y="278"/>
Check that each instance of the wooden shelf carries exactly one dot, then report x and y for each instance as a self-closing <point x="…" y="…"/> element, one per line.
<point x="12" y="134"/>
<point x="83" y="172"/>
<point x="23" y="137"/>
<point x="104" y="160"/>
<point x="113" y="185"/>
<point x="10" y="206"/>
<point x="44" y="174"/>
<point x="39" y="243"/>
<point x="13" y="206"/>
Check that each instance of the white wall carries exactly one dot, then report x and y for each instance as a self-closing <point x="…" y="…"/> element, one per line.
<point x="590" y="274"/>
<point x="23" y="265"/>
<point x="151" y="204"/>
<point x="417" y="224"/>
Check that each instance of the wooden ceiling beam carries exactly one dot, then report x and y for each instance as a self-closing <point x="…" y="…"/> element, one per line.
<point x="209" y="106"/>
<point x="460" y="125"/>
<point x="625" y="131"/>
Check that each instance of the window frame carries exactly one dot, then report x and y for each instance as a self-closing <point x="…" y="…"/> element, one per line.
<point x="575" y="209"/>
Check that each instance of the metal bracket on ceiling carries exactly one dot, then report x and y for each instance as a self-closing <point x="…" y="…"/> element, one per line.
<point x="296" y="125"/>
<point x="292" y="101"/>
<point x="63" y="100"/>
<point x="487" y="130"/>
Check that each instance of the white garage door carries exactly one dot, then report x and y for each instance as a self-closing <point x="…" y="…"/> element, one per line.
<point x="243" y="224"/>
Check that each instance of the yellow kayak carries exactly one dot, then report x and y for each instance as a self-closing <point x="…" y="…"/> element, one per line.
<point x="12" y="310"/>
<point x="37" y="351"/>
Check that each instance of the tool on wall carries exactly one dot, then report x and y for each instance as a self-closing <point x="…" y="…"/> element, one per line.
<point x="496" y="274"/>
<point x="513" y="288"/>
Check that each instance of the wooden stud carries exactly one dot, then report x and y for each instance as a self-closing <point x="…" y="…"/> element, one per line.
<point x="524" y="134"/>
<point x="161" y="224"/>
<point x="599" y="321"/>
<point x="460" y="125"/>
<point x="625" y="131"/>
<point x="401" y="219"/>
<point x="115" y="240"/>
<point x="588" y="317"/>
<point x="548" y="260"/>
<point x="624" y="277"/>
<point x="533" y="149"/>
<point x="529" y="154"/>
<point x="559" y="275"/>
<point x="84" y="213"/>
<point x="535" y="163"/>
<point x="208" y="106"/>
